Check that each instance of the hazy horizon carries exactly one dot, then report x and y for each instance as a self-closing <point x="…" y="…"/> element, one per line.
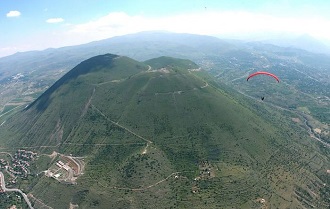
<point x="49" y="24"/>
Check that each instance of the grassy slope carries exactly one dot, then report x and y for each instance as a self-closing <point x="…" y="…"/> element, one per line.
<point x="187" y="124"/>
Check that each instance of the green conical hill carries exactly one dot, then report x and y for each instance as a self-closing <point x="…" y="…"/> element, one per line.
<point x="159" y="135"/>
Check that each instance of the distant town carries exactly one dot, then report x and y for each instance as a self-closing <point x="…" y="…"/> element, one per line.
<point x="13" y="167"/>
<point x="65" y="169"/>
<point x="19" y="165"/>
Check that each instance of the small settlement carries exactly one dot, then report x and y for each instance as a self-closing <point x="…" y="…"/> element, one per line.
<point x="66" y="169"/>
<point x="19" y="165"/>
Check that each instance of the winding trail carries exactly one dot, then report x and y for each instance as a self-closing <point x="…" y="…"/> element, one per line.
<point x="3" y="187"/>
<point x="244" y="76"/>
<point x="7" y="153"/>
<point x="39" y="201"/>
<point x="311" y="133"/>
<point x="103" y="144"/>
<point x="123" y="127"/>
<point x="132" y="132"/>
<point x="305" y="74"/>
<point x="152" y="185"/>
<point x="75" y="144"/>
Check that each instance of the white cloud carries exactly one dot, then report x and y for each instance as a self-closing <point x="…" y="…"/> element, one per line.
<point x="55" y="20"/>
<point x="230" y="24"/>
<point x="116" y="23"/>
<point x="207" y="23"/>
<point x="13" y="14"/>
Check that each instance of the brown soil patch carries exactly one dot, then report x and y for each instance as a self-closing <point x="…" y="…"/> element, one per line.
<point x="297" y="120"/>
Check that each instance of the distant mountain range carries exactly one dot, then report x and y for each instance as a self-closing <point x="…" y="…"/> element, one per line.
<point x="143" y="46"/>
<point x="304" y="42"/>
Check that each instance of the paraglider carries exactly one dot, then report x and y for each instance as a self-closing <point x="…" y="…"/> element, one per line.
<point x="263" y="73"/>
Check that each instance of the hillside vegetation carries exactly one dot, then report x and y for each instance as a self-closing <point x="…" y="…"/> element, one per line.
<point x="164" y="134"/>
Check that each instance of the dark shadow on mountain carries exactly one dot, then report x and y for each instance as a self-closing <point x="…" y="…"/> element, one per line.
<point x="84" y="67"/>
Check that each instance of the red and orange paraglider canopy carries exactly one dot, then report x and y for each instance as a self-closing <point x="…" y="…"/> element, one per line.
<point x="263" y="73"/>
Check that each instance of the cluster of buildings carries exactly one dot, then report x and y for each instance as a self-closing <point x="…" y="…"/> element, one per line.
<point x="3" y="163"/>
<point x="60" y="164"/>
<point x="205" y="170"/>
<point x="61" y="171"/>
<point x="25" y="155"/>
<point x="19" y="167"/>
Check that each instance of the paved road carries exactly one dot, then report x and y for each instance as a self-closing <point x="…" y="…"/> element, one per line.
<point x="7" y="153"/>
<point x="311" y="133"/>
<point x="3" y="187"/>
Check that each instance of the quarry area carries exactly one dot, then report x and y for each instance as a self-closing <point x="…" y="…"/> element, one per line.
<point x="66" y="169"/>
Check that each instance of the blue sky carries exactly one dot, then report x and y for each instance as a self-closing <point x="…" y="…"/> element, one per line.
<point x="39" y="24"/>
